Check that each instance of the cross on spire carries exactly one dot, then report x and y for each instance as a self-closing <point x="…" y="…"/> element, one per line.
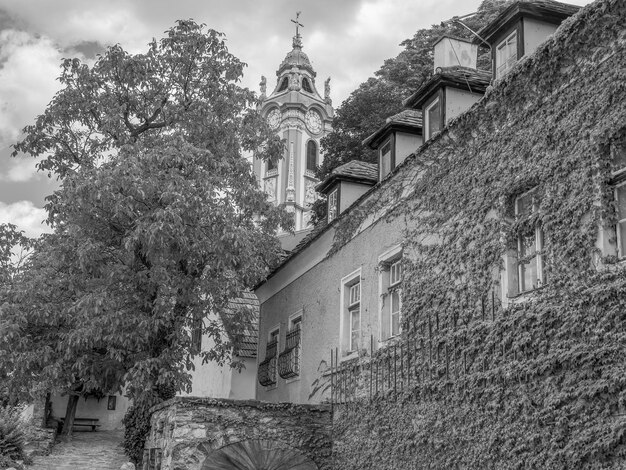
<point x="297" y="23"/>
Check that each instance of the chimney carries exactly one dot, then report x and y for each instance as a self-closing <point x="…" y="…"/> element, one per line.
<point x="450" y="51"/>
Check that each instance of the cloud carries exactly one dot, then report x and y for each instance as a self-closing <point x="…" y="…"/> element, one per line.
<point x="28" y="74"/>
<point x="19" y="170"/>
<point x="25" y="216"/>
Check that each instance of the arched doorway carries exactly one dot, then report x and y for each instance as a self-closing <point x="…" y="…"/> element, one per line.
<point x="257" y="454"/>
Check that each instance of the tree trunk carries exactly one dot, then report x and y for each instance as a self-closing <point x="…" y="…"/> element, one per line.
<point x="70" y="414"/>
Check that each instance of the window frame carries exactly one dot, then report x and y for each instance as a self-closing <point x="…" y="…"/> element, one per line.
<point x="350" y="305"/>
<point x="618" y="180"/>
<point x="513" y="275"/>
<point x="332" y="214"/>
<point x="387" y="287"/>
<point x="308" y="157"/>
<point x="270" y="337"/>
<point x="502" y="68"/>
<point x="436" y="103"/>
<point x="391" y="143"/>
<point x="197" y="328"/>
<point x="621" y="251"/>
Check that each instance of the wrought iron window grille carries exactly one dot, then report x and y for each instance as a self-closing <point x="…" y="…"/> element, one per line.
<point x="289" y="359"/>
<point x="267" y="367"/>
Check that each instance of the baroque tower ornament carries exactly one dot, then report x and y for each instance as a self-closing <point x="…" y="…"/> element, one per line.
<point x="300" y="115"/>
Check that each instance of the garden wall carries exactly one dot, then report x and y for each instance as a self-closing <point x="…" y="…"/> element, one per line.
<point x="190" y="433"/>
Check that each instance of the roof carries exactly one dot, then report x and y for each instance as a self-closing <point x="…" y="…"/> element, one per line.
<point x="355" y="171"/>
<point x="409" y="120"/>
<point x="546" y="10"/>
<point x="464" y="78"/>
<point x="296" y="58"/>
<point x="241" y="319"/>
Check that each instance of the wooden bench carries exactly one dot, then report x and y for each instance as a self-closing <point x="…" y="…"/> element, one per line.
<point x="89" y="422"/>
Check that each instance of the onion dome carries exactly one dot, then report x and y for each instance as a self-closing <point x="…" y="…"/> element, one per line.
<point x="296" y="58"/>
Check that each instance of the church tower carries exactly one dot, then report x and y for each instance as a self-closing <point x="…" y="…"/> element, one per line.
<point x="300" y="116"/>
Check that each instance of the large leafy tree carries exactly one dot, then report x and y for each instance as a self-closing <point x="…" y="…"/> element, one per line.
<point x="381" y="96"/>
<point x="158" y="219"/>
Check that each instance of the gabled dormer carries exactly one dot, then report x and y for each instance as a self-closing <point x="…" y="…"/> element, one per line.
<point x="520" y="29"/>
<point x="453" y="89"/>
<point x="397" y="139"/>
<point x="346" y="184"/>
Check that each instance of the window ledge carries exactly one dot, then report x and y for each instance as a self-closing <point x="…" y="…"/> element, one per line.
<point x="353" y="356"/>
<point x="293" y="379"/>
<point x="524" y="296"/>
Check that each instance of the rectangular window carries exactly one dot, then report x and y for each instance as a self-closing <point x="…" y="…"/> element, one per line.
<point x="386" y="164"/>
<point x="390" y="285"/>
<point x="395" y="312"/>
<point x="529" y="244"/>
<point x="620" y="198"/>
<point x="355" y="294"/>
<point x="332" y="205"/>
<point x="289" y="359"/>
<point x="267" y="367"/>
<point x="395" y="273"/>
<point x="350" y="327"/>
<point x="433" y="119"/>
<point x="618" y="171"/>
<point x="355" y="328"/>
<point x="506" y="55"/>
<point x="196" y="335"/>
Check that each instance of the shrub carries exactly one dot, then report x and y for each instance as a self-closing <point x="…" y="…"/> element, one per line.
<point x="137" y="421"/>
<point x="12" y="434"/>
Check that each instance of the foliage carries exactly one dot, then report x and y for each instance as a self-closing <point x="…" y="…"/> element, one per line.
<point x="12" y="436"/>
<point x="542" y="385"/>
<point x="381" y="96"/>
<point x="158" y="219"/>
<point x="137" y="421"/>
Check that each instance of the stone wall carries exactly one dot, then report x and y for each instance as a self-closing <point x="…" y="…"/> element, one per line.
<point x="190" y="433"/>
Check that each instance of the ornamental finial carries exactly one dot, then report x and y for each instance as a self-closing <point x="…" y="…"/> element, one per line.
<point x="297" y="39"/>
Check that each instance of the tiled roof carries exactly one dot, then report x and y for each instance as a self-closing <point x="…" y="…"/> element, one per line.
<point x="407" y="119"/>
<point x="357" y="169"/>
<point x="354" y="170"/>
<point x="459" y="77"/>
<point x="241" y="319"/>
<point x="410" y="117"/>
<point x="548" y="10"/>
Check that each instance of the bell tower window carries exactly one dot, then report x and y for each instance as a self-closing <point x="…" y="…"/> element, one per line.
<point x="283" y="85"/>
<point x="311" y="155"/>
<point x="306" y="85"/>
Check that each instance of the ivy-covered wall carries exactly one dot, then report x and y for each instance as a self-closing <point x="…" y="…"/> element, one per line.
<point x="543" y="384"/>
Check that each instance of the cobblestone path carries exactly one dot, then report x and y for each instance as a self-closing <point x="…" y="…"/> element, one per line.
<point x="98" y="450"/>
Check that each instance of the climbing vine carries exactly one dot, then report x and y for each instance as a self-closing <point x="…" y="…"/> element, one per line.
<point x="543" y="383"/>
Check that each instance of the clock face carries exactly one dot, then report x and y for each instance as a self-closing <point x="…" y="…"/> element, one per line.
<point x="273" y="118"/>
<point x="314" y="121"/>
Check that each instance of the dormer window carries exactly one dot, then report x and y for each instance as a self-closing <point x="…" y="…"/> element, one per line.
<point x="506" y="55"/>
<point x="386" y="159"/>
<point x="432" y="116"/>
<point x="333" y="204"/>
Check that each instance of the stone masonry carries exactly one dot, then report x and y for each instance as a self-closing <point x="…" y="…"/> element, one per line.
<point x="205" y="433"/>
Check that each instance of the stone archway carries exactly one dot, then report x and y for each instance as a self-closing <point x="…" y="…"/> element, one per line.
<point x="257" y="454"/>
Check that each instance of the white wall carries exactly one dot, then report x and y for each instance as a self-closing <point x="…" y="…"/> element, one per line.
<point x="536" y="32"/>
<point x="406" y="144"/>
<point x="92" y="408"/>
<point x="459" y="101"/>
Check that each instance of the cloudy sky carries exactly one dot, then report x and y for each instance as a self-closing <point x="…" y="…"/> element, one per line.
<point x="347" y="40"/>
